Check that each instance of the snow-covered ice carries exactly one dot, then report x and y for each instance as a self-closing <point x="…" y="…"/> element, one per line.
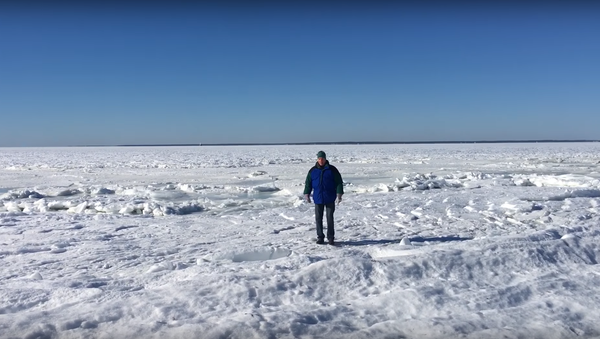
<point x="435" y="241"/>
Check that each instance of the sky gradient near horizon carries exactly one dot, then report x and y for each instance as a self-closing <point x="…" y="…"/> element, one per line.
<point x="274" y="74"/>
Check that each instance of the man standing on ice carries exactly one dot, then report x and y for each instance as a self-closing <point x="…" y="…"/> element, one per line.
<point x="326" y="181"/>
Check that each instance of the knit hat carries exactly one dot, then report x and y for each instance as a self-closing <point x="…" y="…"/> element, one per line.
<point x="321" y="154"/>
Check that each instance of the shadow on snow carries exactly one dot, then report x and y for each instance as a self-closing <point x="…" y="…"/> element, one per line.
<point x="396" y="241"/>
<point x="440" y="239"/>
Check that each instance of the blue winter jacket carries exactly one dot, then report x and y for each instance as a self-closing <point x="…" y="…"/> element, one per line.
<point x="326" y="182"/>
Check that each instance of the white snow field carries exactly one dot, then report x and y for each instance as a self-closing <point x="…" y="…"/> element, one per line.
<point x="435" y="241"/>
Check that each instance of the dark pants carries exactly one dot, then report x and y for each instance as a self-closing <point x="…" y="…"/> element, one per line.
<point x="319" y="216"/>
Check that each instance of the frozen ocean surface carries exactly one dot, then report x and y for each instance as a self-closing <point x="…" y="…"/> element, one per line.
<point x="434" y="241"/>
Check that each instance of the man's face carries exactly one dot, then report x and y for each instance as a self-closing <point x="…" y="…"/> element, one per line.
<point x="321" y="161"/>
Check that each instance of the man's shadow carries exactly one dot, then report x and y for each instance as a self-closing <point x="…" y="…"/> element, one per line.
<point x="417" y="239"/>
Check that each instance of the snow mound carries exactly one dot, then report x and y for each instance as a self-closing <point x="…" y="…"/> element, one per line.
<point x="521" y="206"/>
<point x="11" y="195"/>
<point x="55" y="205"/>
<point x="422" y="182"/>
<point x="258" y="254"/>
<point x="102" y="191"/>
<point x="68" y="192"/>
<point x="191" y="188"/>
<point x="419" y="182"/>
<point x="568" y="236"/>
<point x="265" y="188"/>
<point x="405" y="241"/>
<point x="566" y="180"/>
<point x="384" y="253"/>
<point x="590" y="193"/>
<point x="257" y="174"/>
<point x="35" y="276"/>
<point x="523" y="182"/>
<point x="167" y="266"/>
<point x="87" y="207"/>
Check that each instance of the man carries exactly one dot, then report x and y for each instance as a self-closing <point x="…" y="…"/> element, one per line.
<point x="326" y="181"/>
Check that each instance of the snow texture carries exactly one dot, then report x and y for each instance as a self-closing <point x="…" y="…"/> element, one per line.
<point x="433" y="241"/>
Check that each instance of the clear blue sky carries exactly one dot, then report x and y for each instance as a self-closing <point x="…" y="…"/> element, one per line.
<point x="182" y="74"/>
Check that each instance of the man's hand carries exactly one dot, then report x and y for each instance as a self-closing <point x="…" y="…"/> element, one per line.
<point x="339" y="199"/>
<point x="307" y="198"/>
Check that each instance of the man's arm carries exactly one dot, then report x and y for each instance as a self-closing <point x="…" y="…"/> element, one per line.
<point x="339" y="183"/>
<point x="308" y="184"/>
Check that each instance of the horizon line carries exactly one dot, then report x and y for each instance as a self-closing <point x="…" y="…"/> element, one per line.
<point x="335" y="143"/>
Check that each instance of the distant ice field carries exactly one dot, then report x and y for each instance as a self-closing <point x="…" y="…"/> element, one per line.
<point x="123" y="180"/>
<point x="434" y="241"/>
